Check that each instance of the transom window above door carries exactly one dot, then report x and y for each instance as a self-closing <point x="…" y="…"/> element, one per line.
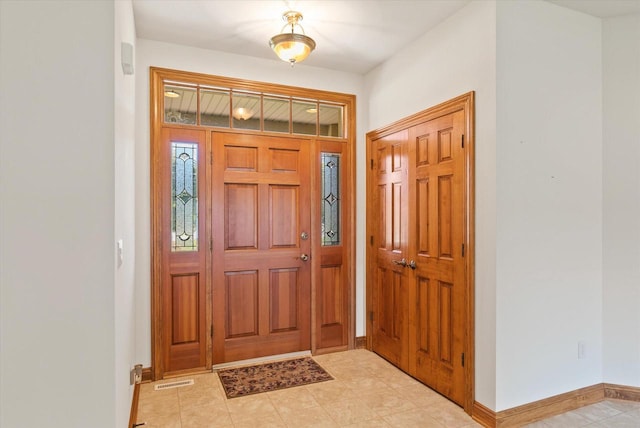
<point x="195" y="104"/>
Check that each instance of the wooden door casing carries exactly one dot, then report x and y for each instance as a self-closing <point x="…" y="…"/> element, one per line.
<point x="261" y="283"/>
<point x="438" y="278"/>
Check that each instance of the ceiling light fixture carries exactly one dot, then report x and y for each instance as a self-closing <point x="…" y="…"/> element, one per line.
<point x="171" y="94"/>
<point x="292" y="47"/>
<point x="242" y="113"/>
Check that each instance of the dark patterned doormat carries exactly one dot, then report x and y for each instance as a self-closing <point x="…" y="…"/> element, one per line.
<point x="267" y="377"/>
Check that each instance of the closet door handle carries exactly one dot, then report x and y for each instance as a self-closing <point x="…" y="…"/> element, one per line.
<point x="412" y="264"/>
<point x="402" y="262"/>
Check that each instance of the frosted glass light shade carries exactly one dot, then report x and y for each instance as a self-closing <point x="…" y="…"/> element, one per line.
<point x="292" y="47"/>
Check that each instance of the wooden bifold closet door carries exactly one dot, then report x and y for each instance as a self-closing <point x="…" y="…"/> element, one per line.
<point x="418" y="255"/>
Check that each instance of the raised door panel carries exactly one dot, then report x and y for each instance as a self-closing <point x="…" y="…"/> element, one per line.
<point x="242" y="304"/>
<point x="185" y="314"/>
<point x="283" y="298"/>
<point x="331" y="306"/>
<point x="241" y="217"/>
<point x="284" y="204"/>
<point x="241" y="159"/>
<point x="445" y="216"/>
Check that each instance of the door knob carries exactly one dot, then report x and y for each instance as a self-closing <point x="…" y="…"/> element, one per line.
<point x="412" y="264"/>
<point x="402" y="262"/>
<point x="304" y="257"/>
<point x="304" y="236"/>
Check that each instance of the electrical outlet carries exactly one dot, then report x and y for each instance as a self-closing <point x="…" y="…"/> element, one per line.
<point x="120" y="251"/>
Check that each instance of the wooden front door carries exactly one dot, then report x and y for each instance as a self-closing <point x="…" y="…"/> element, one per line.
<point x="252" y="221"/>
<point x="390" y="278"/>
<point x="261" y="268"/>
<point x="420" y="238"/>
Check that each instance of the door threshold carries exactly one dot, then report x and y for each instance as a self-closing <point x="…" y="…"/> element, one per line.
<point x="253" y="361"/>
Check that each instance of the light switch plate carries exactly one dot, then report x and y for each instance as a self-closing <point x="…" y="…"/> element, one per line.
<point x="120" y="246"/>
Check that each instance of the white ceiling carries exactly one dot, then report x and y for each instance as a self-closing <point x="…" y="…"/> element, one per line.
<point x="351" y="35"/>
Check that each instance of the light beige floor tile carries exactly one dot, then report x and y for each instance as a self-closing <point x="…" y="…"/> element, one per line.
<point x="331" y="392"/>
<point x="422" y="396"/>
<point x="450" y="415"/>
<point x="567" y="420"/>
<point x="625" y="420"/>
<point x="412" y="418"/>
<point x="273" y="421"/>
<point x="397" y="379"/>
<point x="623" y="405"/>
<point x="367" y="392"/>
<point x="158" y="405"/>
<point x="350" y="412"/>
<point x="252" y="407"/>
<point x="206" y="416"/>
<point x="538" y="424"/>
<point x="292" y="399"/>
<point x="597" y="412"/>
<point x="372" y="423"/>
<point x="387" y="403"/>
<point x="367" y="384"/>
<point x="315" y="417"/>
<point x="159" y="421"/>
<point x="201" y="396"/>
<point x="147" y="391"/>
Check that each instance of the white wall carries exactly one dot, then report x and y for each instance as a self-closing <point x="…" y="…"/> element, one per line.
<point x="152" y="53"/>
<point x="621" y="204"/>
<point x="124" y="212"/>
<point x="456" y="57"/>
<point x="56" y="216"/>
<point x="549" y="201"/>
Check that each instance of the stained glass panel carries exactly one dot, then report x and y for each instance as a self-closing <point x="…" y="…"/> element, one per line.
<point x="331" y="199"/>
<point x="184" y="196"/>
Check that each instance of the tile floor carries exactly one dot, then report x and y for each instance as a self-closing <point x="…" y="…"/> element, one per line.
<point x="606" y="414"/>
<point x="367" y="392"/>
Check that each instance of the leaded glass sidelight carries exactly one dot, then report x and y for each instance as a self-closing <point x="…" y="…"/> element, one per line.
<point x="331" y="198"/>
<point x="184" y="196"/>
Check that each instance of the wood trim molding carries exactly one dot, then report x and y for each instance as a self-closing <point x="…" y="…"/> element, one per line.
<point x="483" y="415"/>
<point x="147" y="375"/>
<point x="547" y="407"/>
<point x="621" y="392"/>
<point x="361" y="342"/>
<point x="133" y="415"/>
